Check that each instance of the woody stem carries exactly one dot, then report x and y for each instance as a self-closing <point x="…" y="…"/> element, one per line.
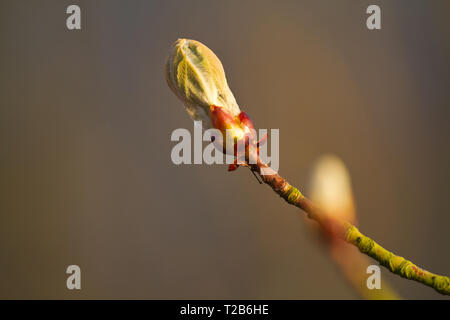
<point x="349" y="233"/>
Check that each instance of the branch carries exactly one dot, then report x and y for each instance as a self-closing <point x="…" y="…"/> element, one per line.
<point x="349" y="233"/>
<point x="196" y="76"/>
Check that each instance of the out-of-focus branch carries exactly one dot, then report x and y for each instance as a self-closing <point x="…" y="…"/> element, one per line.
<point x="331" y="188"/>
<point x="353" y="265"/>
<point x="348" y="232"/>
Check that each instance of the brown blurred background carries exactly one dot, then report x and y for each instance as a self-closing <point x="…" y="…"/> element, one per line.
<point x="86" y="118"/>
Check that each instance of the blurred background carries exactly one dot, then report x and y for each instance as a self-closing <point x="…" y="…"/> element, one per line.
<point x="86" y="119"/>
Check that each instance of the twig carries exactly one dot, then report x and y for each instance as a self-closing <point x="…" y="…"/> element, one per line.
<point x="196" y="76"/>
<point x="348" y="232"/>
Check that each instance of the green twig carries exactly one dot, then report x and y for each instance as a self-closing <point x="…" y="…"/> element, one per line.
<point x="348" y="232"/>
